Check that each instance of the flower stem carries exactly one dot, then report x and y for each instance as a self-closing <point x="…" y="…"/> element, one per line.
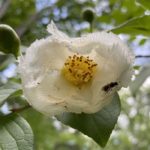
<point x="91" y="27"/>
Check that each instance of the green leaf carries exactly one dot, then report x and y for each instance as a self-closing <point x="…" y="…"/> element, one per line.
<point x="9" y="40"/>
<point x="142" y="42"/>
<point x="144" y="3"/>
<point x="141" y="77"/>
<point x="5" y="60"/>
<point x="9" y="90"/>
<point x="48" y="134"/>
<point x="15" y="133"/>
<point x="135" y="26"/>
<point x="97" y="126"/>
<point x="4" y="94"/>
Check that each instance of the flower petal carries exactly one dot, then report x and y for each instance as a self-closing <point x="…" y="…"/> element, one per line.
<point x="51" y="96"/>
<point x="41" y="56"/>
<point x="51" y="28"/>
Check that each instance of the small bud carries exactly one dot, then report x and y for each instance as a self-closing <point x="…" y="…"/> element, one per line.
<point x="88" y="15"/>
<point x="9" y="40"/>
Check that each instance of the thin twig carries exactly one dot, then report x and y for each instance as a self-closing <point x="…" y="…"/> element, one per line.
<point x="33" y="18"/>
<point x="142" y="56"/>
<point x="4" y="8"/>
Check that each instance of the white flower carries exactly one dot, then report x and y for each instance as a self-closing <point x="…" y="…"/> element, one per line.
<point x="63" y="74"/>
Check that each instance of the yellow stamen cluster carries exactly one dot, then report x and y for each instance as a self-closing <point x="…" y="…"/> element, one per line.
<point x="79" y="69"/>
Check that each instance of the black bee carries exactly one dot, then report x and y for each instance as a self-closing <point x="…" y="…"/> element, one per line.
<point x="109" y="86"/>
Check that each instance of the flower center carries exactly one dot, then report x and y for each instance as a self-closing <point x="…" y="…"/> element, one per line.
<point x="79" y="69"/>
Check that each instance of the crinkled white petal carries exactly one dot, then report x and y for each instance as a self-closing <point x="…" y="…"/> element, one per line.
<point x="51" y="28"/>
<point x="57" y="94"/>
<point x="50" y="93"/>
<point x="41" y="56"/>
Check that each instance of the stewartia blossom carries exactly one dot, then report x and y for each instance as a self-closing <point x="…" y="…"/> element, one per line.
<point x="63" y="74"/>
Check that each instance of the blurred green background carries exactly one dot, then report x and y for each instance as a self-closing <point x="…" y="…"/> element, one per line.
<point x="29" y="18"/>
